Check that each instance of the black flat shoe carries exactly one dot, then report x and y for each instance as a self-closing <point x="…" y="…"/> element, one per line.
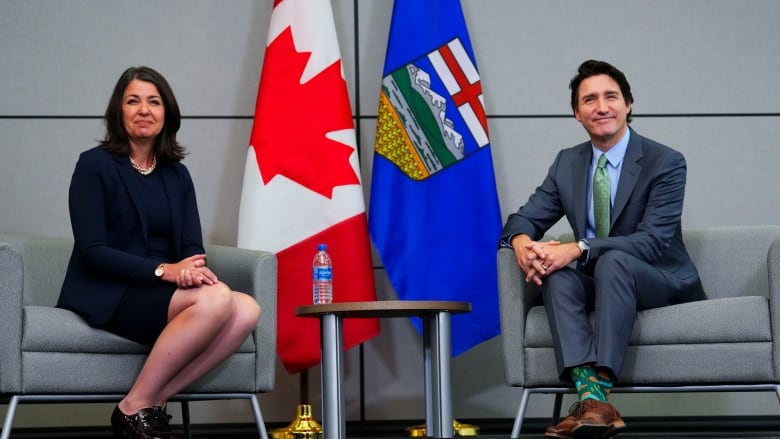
<point x="148" y="423"/>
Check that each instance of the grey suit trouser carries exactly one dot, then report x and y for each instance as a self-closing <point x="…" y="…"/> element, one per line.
<point x="620" y="286"/>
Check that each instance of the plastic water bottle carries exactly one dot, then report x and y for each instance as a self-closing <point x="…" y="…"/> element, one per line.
<point x="322" y="279"/>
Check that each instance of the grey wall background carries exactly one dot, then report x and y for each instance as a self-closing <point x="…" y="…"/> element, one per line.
<point x="703" y="73"/>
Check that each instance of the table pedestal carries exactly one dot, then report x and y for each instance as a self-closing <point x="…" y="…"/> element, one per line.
<point x="437" y="347"/>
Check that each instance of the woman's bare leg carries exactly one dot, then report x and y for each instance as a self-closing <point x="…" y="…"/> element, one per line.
<point x="197" y="317"/>
<point x="245" y="314"/>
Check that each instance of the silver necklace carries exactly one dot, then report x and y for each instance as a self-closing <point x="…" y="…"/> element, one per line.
<point x="144" y="171"/>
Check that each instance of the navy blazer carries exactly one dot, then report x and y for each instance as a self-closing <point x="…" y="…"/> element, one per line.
<point x="110" y="232"/>
<point x="646" y="215"/>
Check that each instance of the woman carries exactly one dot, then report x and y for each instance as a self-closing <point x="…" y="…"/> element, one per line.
<point x="138" y="267"/>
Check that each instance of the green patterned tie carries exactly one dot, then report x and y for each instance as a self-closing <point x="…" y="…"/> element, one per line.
<point x="601" y="197"/>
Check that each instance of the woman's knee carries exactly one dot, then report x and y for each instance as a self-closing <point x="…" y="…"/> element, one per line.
<point x="246" y="310"/>
<point x="214" y="301"/>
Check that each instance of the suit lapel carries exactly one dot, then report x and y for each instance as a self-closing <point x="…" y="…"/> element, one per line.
<point x="629" y="174"/>
<point x="580" y="178"/>
<point x="125" y="172"/>
<point x="173" y="192"/>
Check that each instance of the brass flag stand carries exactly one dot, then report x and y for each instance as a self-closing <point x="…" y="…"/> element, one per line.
<point x="457" y="428"/>
<point x="303" y="426"/>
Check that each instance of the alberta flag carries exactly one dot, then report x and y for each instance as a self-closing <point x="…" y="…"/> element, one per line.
<point x="302" y="181"/>
<point x="434" y="215"/>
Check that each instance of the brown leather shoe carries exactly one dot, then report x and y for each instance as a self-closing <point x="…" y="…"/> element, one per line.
<point x="598" y="420"/>
<point x="564" y="428"/>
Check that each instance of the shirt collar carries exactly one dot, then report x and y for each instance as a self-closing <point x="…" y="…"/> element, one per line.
<point x="615" y="154"/>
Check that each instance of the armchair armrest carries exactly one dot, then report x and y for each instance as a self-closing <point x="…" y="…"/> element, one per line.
<point x="516" y="297"/>
<point x="253" y="272"/>
<point x="773" y="269"/>
<point x="11" y="286"/>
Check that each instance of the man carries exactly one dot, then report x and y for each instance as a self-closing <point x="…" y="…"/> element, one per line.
<point x="622" y="195"/>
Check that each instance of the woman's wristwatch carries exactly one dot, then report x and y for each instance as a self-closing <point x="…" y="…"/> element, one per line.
<point x="159" y="271"/>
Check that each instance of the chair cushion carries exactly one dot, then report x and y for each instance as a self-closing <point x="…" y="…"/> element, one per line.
<point x="728" y="320"/>
<point x="49" y="329"/>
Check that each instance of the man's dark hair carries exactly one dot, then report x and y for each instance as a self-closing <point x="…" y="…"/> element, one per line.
<point x="166" y="148"/>
<point x="592" y="67"/>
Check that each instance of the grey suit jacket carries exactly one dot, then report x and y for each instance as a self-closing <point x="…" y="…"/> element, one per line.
<point x="646" y="215"/>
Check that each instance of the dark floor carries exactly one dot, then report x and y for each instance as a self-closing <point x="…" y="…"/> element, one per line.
<point x="541" y="436"/>
<point x="627" y="435"/>
<point x="698" y="428"/>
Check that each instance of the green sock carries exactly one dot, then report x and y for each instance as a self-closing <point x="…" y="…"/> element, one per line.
<point x="588" y="383"/>
<point x="605" y="381"/>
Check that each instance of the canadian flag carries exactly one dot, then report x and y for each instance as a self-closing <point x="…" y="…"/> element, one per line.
<point x="302" y="181"/>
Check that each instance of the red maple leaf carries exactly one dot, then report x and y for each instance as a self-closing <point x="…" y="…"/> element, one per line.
<point x="292" y="120"/>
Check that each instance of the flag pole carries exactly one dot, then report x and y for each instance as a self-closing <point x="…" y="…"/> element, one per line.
<point x="303" y="426"/>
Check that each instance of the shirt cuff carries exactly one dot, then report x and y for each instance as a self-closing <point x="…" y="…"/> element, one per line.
<point x="506" y="242"/>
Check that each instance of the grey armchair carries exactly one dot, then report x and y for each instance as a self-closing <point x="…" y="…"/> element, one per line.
<point x="49" y="354"/>
<point x="724" y="343"/>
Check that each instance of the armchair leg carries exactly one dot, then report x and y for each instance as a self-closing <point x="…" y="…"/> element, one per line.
<point x="520" y="413"/>
<point x="184" y="399"/>
<point x="258" y="417"/>
<point x="185" y="417"/>
<point x="9" y="417"/>
<point x="777" y="392"/>
<point x="557" y="408"/>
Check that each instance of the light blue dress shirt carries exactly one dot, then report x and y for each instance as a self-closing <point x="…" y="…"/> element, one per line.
<point x="615" y="158"/>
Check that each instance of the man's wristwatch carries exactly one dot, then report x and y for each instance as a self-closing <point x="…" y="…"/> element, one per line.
<point x="584" y="246"/>
<point x="159" y="271"/>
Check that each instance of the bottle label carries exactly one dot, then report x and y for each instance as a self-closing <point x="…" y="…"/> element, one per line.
<point x="323" y="273"/>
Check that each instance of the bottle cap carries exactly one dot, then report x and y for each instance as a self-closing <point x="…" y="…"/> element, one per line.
<point x="322" y="247"/>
